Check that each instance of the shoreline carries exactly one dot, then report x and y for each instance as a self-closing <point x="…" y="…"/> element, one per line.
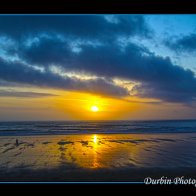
<point x="97" y="157"/>
<point x="100" y="133"/>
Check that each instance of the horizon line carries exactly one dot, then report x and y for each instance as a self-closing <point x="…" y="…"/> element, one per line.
<point x="5" y="121"/>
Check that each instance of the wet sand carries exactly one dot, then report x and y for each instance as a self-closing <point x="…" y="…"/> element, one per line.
<point x="100" y="157"/>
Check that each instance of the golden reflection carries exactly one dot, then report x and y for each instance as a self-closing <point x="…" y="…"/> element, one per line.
<point x="95" y="139"/>
<point x="95" y="163"/>
<point x="86" y="151"/>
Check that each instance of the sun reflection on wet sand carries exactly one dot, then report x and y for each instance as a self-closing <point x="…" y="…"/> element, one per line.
<point x="96" y="151"/>
<point x="95" y="145"/>
<point x="95" y="139"/>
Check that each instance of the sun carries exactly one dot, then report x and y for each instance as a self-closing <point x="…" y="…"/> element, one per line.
<point x="94" y="108"/>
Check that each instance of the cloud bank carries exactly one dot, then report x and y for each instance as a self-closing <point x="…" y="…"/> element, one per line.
<point x="186" y="43"/>
<point x="87" y="53"/>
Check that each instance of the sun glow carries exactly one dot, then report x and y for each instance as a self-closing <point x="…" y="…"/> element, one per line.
<point x="94" y="109"/>
<point x="84" y="106"/>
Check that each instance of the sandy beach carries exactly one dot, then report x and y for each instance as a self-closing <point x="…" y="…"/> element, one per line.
<point x="97" y="157"/>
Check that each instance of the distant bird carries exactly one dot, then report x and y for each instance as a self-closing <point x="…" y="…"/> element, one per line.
<point x="17" y="142"/>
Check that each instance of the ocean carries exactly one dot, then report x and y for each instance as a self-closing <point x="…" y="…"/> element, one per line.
<point x="96" y="127"/>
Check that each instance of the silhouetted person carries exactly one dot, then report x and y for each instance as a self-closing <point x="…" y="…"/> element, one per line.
<point x="17" y="142"/>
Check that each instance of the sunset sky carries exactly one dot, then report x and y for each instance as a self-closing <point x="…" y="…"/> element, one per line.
<point x="97" y="67"/>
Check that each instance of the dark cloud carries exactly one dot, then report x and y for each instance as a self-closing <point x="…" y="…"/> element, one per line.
<point x="160" y="78"/>
<point x="185" y="43"/>
<point x="48" y="50"/>
<point x="83" y="26"/>
<point x="8" y="93"/>
<point x="23" y="74"/>
<point x="171" y="93"/>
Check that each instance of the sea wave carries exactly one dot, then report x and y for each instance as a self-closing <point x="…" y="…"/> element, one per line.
<point x="83" y="127"/>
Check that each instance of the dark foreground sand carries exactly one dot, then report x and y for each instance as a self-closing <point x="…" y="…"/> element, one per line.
<point x="107" y="157"/>
<point x="97" y="175"/>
